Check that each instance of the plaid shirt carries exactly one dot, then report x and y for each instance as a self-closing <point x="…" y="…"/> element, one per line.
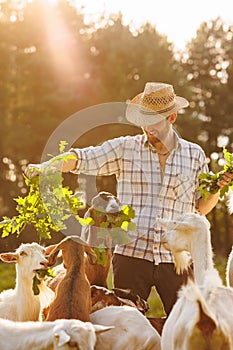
<point x="140" y="185"/>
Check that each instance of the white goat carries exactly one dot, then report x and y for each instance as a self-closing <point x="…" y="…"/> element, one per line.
<point x="201" y="318"/>
<point x="202" y="314"/>
<point x="229" y="269"/>
<point x="131" y="329"/>
<point x="20" y="304"/>
<point x="57" y="335"/>
<point x="189" y="234"/>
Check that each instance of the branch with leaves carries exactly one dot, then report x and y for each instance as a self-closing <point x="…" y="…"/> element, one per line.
<point x="209" y="181"/>
<point x="48" y="205"/>
<point x="112" y="230"/>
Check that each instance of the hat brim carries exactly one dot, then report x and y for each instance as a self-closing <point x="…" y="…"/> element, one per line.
<point x="139" y="116"/>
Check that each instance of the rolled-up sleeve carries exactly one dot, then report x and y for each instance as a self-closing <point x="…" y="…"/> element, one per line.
<point x="104" y="159"/>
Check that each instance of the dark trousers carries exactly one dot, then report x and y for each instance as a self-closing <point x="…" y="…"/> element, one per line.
<point x="140" y="275"/>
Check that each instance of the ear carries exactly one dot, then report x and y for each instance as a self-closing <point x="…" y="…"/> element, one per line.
<point x="100" y="329"/>
<point x="9" y="257"/>
<point x="52" y="257"/>
<point x="49" y="249"/>
<point x="61" y="337"/>
<point x="85" y="228"/>
<point x="91" y="255"/>
<point x="122" y="293"/>
<point x="172" y="118"/>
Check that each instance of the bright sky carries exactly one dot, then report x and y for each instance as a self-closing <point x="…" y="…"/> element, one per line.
<point x="178" y="19"/>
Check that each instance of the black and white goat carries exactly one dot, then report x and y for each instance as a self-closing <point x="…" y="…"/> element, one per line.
<point x="103" y="206"/>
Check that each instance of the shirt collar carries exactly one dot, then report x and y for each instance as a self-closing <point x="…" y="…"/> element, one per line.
<point x="177" y="147"/>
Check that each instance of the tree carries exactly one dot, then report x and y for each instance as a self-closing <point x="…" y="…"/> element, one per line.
<point x="208" y="63"/>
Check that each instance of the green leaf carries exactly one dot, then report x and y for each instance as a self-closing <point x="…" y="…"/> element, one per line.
<point x="62" y="146"/>
<point x="101" y="254"/>
<point x="209" y="181"/>
<point x="129" y="211"/>
<point x="125" y="225"/>
<point x="35" y="284"/>
<point x="87" y="221"/>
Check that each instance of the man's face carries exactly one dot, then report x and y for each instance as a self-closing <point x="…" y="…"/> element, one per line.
<point x="158" y="132"/>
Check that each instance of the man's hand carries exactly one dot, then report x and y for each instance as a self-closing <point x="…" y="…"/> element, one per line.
<point x="33" y="170"/>
<point x="225" y="179"/>
<point x="64" y="162"/>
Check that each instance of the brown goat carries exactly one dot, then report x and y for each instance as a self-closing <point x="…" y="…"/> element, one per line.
<point x="73" y="295"/>
<point x="96" y="273"/>
<point x="102" y="297"/>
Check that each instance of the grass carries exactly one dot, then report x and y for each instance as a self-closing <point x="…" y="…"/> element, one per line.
<point x="7" y="280"/>
<point x="7" y="276"/>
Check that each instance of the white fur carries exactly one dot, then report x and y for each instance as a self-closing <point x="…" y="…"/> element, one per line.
<point x="131" y="330"/>
<point x="207" y="300"/>
<point x="20" y="303"/>
<point x="180" y="236"/>
<point x="48" y="335"/>
<point x="229" y="270"/>
<point x="212" y="303"/>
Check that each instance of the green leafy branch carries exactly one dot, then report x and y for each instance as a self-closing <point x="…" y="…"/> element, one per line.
<point x="47" y="205"/>
<point x="209" y="181"/>
<point x="40" y="274"/>
<point x="113" y="229"/>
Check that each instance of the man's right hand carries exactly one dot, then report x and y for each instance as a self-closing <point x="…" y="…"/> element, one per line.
<point x="33" y="170"/>
<point x="70" y="164"/>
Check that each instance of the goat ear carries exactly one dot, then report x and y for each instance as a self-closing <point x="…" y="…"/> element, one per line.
<point x="100" y="329"/>
<point x="9" y="257"/>
<point x="61" y="337"/>
<point x="85" y="228"/>
<point x="122" y="293"/>
<point x="91" y="255"/>
<point x="49" y="249"/>
<point x="53" y="255"/>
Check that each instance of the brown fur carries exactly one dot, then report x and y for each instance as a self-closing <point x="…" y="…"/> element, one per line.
<point x="73" y="295"/>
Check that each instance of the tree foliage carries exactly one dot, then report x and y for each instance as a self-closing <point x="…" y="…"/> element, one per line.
<point x="53" y="64"/>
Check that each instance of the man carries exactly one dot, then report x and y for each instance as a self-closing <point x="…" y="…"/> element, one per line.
<point x="157" y="174"/>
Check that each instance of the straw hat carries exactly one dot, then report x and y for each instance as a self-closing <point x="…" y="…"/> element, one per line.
<point x="154" y="104"/>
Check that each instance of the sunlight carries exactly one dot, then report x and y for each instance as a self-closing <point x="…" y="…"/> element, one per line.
<point x="178" y="20"/>
<point x="49" y="2"/>
<point x="61" y="43"/>
<point x="52" y="2"/>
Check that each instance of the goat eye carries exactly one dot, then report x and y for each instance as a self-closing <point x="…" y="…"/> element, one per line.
<point x="23" y="253"/>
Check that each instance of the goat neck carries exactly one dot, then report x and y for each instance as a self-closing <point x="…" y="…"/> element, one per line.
<point x="201" y="252"/>
<point x="23" y="289"/>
